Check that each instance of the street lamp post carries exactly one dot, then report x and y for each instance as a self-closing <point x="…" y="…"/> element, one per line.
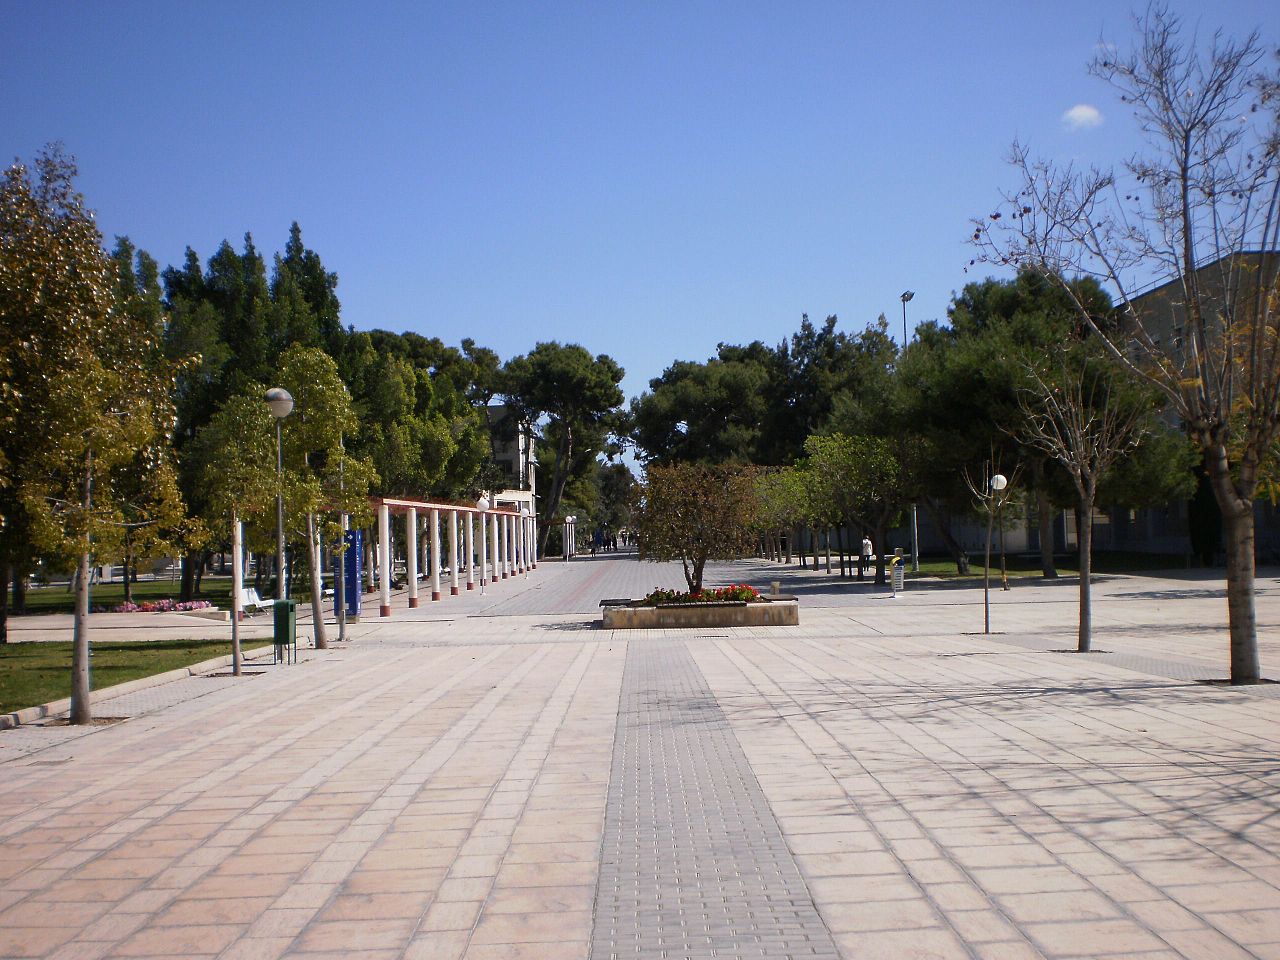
<point x="281" y="405"/>
<point x="483" y="505"/>
<point x="340" y="588"/>
<point x="915" y="528"/>
<point x="997" y="483"/>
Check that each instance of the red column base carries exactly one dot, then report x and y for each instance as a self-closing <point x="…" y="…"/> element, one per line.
<point x="454" y="591"/>
<point x="504" y="575"/>
<point x="435" y="594"/>
<point x="413" y="602"/>
<point x="384" y="611"/>
<point x="470" y="585"/>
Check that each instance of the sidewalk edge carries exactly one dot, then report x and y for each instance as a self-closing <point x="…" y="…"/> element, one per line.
<point x="17" y="718"/>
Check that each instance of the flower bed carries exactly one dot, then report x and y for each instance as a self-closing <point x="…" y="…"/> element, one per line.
<point x="162" y="606"/>
<point x="734" y="606"/>
<point x="735" y="593"/>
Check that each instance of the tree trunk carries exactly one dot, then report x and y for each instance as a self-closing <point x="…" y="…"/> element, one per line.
<point x="1238" y="530"/>
<point x="128" y="579"/>
<point x="882" y="537"/>
<point x="1045" y="520"/>
<point x="827" y="539"/>
<point x="5" y="571"/>
<point x="315" y="570"/>
<point x="958" y="556"/>
<point x="80" y="712"/>
<point x="559" y="476"/>
<point x="189" y="561"/>
<point x="19" y="590"/>
<point x="1238" y="534"/>
<point x="1084" y="538"/>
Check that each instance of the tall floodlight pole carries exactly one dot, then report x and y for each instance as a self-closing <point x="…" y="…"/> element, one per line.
<point x="281" y="405"/>
<point x="915" y="529"/>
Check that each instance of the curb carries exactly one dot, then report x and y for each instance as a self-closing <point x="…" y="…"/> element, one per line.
<point x="9" y="721"/>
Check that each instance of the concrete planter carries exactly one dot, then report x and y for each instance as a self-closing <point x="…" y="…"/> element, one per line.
<point x="776" y="612"/>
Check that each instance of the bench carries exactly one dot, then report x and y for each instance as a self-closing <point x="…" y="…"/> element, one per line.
<point x="251" y="602"/>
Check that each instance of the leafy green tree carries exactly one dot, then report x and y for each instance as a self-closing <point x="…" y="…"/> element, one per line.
<point x="694" y="513"/>
<point x="237" y="322"/>
<point x="417" y="423"/>
<point x="88" y="381"/>
<point x="782" y="505"/>
<point x="616" y="484"/>
<point x="958" y="391"/>
<point x="708" y="412"/>
<point x="562" y="390"/>
<point x="858" y="478"/>
<point x="321" y="475"/>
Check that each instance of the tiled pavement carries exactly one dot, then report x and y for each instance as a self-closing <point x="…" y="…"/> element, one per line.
<point x="451" y="785"/>
<point x="693" y="863"/>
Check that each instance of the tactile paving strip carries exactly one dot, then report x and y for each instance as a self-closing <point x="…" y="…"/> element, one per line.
<point x="694" y="864"/>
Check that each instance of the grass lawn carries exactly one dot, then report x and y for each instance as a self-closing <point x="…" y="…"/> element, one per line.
<point x="35" y="673"/>
<point x="1022" y="566"/>
<point x="58" y="599"/>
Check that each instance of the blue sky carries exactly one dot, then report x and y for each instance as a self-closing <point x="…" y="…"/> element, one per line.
<point x="646" y="179"/>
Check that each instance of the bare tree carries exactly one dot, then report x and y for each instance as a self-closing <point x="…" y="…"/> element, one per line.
<point x="1080" y="414"/>
<point x="1199" y="212"/>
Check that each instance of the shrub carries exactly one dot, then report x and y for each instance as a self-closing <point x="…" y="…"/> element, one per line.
<point x="738" y="592"/>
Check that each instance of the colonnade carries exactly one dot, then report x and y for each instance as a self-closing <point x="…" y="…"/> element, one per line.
<point x="490" y="544"/>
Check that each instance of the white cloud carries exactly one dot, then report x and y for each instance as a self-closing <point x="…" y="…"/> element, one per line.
<point x="1082" y="116"/>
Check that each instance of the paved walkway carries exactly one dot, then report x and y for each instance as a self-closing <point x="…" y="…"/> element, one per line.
<point x="491" y="777"/>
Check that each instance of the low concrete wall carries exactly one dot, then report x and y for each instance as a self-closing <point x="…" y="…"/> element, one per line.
<point x="776" y="613"/>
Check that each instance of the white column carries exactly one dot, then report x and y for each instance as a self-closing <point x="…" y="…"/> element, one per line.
<point x="384" y="560"/>
<point x="411" y="555"/>
<point x="424" y="562"/>
<point x="533" y="542"/>
<point x="454" y="581"/>
<point x="484" y="548"/>
<point x="505" y="528"/>
<point x="471" y="550"/>
<point x="435" y="554"/>
<point x="522" y="554"/>
<point x="495" y="565"/>
<point x="513" y="563"/>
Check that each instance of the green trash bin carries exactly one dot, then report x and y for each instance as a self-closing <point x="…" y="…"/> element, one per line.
<point x="285" y="636"/>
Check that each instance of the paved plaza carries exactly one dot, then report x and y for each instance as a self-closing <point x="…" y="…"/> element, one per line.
<point x="493" y="776"/>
